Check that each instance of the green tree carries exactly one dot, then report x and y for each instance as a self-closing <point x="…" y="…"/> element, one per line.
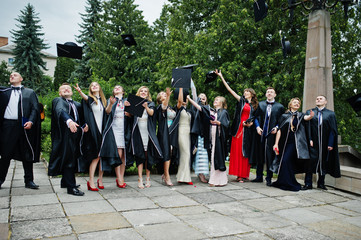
<point x="63" y="70"/>
<point x="86" y="37"/>
<point x="28" y="46"/>
<point x="4" y="74"/>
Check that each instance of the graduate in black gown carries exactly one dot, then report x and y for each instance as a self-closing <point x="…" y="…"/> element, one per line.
<point x="93" y="106"/>
<point x="115" y="146"/>
<point x="145" y="146"/>
<point x="292" y="146"/>
<point x="19" y="129"/>
<point x="66" y="134"/>
<point x="165" y="115"/>
<point x="267" y="116"/>
<point x="322" y="132"/>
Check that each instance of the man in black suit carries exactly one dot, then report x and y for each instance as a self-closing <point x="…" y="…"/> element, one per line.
<point x="322" y="132"/>
<point x="267" y="115"/>
<point x="66" y="135"/>
<point x="19" y="129"/>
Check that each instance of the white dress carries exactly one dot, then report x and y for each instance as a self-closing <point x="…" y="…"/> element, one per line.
<point x="143" y="129"/>
<point x="184" y="142"/>
<point x="98" y="110"/>
<point x="118" y="125"/>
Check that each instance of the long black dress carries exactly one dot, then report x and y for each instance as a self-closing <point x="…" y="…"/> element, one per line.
<point x="293" y="151"/>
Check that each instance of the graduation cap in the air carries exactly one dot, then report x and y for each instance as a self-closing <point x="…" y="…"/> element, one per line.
<point x="185" y="93"/>
<point x="129" y="40"/>
<point x="69" y="50"/>
<point x="190" y="66"/>
<point x="136" y="105"/>
<point x="260" y="8"/>
<point x="355" y="102"/>
<point x="286" y="47"/>
<point x="210" y="77"/>
<point x="181" y="77"/>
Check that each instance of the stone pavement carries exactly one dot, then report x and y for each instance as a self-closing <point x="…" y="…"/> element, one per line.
<point x="236" y="211"/>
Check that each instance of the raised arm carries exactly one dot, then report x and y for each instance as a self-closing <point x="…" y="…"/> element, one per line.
<point x="309" y="117"/>
<point x="227" y="86"/>
<point x="112" y="100"/>
<point x="194" y="90"/>
<point x="180" y="98"/>
<point x="196" y="105"/>
<point x="83" y="95"/>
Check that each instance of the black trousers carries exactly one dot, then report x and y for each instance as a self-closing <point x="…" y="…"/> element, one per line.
<point x="13" y="145"/>
<point x="266" y="153"/>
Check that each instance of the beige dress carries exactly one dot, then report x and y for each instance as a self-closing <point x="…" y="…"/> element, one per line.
<point x="184" y="142"/>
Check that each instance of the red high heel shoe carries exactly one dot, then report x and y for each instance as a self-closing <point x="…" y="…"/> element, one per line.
<point x="120" y="185"/>
<point x="100" y="187"/>
<point x="90" y="188"/>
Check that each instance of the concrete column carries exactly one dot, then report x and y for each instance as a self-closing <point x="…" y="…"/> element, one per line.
<point x="318" y="69"/>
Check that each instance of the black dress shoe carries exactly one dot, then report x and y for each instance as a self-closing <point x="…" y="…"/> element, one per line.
<point x="63" y="185"/>
<point x="75" y="191"/>
<point x="31" y="185"/>
<point x="322" y="186"/>
<point x="306" y="187"/>
<point x="269" y="183"/>
<point x="257" y="180"/>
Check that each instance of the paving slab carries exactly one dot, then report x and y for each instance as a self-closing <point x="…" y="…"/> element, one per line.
<point x="36" y="212"/>
<point x="159" y="191"/>
<point x="235" y="186"/>
<point x="210" y="197"/>
<point x="337" y="229"/>
<point x="300" y="201"/>
<point x="184" y="189"/>
<point x="30" y="200"/>
<point x="123" y="234"/>
<point x="98" y="222"/>
<point x="192" y="210"/>
<point x="120" y="193"/>
<point x="174" y="200"/>
<point x="64" y="197"/>
<point x="218" y="226"/>
<point x="4" y="215"/>
<point x="354" y="220"/>
<point x="353" y="205"/>
<point x="301" y="215"/>
<point x="91" y="207"/>
<point x="231" y="208"/>
<point x="127" y="204"/>
<point x="4" y="202"/>
<point x="325" y="197"/>
<point x="66" y="237"/>
<point x="333" y="211"/>
<point x="295" y="232"/>
<point x="273" y="192"/>
<point x="21" y="184"/>
<point x="4" y="230"/>
<point x="153" y="216"/>
<point x="40" y="228"/>
<point x="167" y="231"/>
<point x="254" y="235"/>
<point x="267" y="204"/>
<point x="243" y="194"/>
<point x="19" y="191"/>
<point x="5" y="189"/>
<point x="267" y="221"/>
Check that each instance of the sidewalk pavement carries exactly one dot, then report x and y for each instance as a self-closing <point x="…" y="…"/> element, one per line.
<point x="236" y="211"/>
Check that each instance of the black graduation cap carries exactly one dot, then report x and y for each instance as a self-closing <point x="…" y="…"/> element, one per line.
<point x="210" y="77"/>
<point x="260" y="10"/>
<point x="355" y="102"/>
<point x="286" y="47"/>
<point x="190" y="66"/>
<point x="129" y="40"/>
<point x="185" y="93"/>
<point x="136" y="105"/>
<point x="181" y="78"/>
<point x="69" y="50"/>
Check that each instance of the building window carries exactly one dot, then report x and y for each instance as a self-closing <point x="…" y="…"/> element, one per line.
<point x="11" y="62"/>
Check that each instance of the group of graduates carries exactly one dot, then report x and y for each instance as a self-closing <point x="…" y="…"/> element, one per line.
<point x="104" y="134"/>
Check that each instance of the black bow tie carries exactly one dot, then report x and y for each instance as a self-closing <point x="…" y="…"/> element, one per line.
<point x="70" y="100"/>
<point x="15" y="88"/>
<point x="270" y="102"/>
<point x="294" y="114"/>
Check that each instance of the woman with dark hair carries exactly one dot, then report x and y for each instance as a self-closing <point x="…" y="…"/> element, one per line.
<point x="115" y="138"/>
<point x="292" y="146"/>
<point x="93" y="106"/>
<point x="144" y="142"/>
<point x="165" y="116"/>
<point x="242" y="133"/>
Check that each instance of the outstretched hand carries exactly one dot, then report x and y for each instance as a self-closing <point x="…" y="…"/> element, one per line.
<point x="78" y="88"/>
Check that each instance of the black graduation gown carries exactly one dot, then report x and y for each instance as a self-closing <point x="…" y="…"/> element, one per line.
<point x="154" y="151"/>
<point x="163" y="133"/>
<point x="267" y="140"/>
<point x="220" y="153"/>
<point x="29" y="109"/>
<point x="322" y="160"/>
<point x="65" y="151"/>
<point x="173" y="131"/>
<point x="249" y="139"/>
<point x="92" y="138"/>
<point x="300" y="139"/>
<point x="199" y="126"/>
<point x="109" y="151"/>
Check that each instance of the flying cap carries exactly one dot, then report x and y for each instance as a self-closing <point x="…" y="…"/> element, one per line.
<point x="181" y="78"/>
<point x="355" y="102"/>
<point x="129" y="40"/>
<point x="136" y="105"/>
<point x="190" y="66"/>
<point x="260" y="10"/>
<point x="69" y="50"/>
<point x="286" y="47"/>
<point x="210" y="77"/>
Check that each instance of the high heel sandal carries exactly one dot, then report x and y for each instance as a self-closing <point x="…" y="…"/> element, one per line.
<point x="120" y="185"/>
<point x="140" y="183"/>
<point x="202" y="178"/>
<point x="90" y="188"/>
<point x="166" y="182"/>
<point x="100" y="186"/>
<point x="147" y="182"/>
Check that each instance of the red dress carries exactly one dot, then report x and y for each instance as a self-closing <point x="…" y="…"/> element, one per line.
<point x="238" y="164"/>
